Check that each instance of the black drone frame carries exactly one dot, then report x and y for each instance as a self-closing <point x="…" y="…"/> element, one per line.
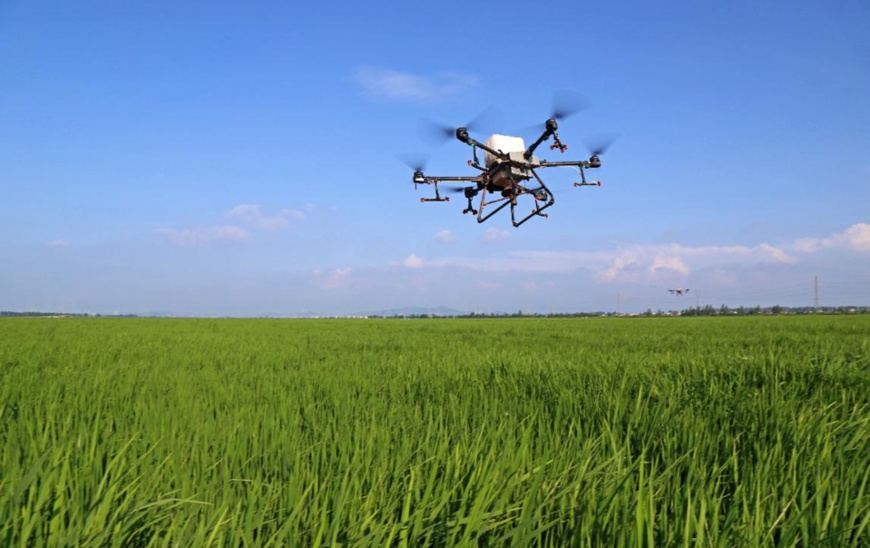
<point x="516" y="168"/>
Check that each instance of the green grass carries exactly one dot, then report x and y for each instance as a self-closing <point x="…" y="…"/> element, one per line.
<point x="585" y="432"/>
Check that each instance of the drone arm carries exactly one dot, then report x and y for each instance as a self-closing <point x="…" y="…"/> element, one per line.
<point x="475" y="163"/>
<point x="544" y="136"/>
<point x="440" y="179"/>
<point x="463" y="136"/>
<point x="582" y="165"/>
<point x="497" y="153"/>
<point x="550" y="128"/>
<point x="574" y="163"/>
<point x="434" y="180"/>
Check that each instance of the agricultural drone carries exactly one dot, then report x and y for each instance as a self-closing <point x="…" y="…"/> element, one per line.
<point x="679" y="291"/>
<point x="509" y="170"/>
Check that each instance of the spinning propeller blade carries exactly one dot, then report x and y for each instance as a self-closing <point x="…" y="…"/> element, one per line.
<point x="565" y="105"/>
<point x="437" y="133"/>
<point x="568" y="103"/>
<point x="599" y="145"/>
<point x="416" y="162"/>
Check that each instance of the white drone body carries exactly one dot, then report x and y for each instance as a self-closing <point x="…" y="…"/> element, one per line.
<point x="515" y="148"/>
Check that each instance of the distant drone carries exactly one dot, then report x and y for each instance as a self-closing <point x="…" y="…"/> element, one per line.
<point x="509" y="171"/>
<point x="679" y="291"/>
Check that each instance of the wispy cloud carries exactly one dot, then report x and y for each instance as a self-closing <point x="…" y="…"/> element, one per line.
<point x="250" y="214"/>
<point x="657" y="263"/>
<point x="643" y="264"/>
<point x="496" y="235"/>
<point x="394" y="85"/>
<point x="245" y="218"/>
<point x="412" y="261"/>
<point x="445" y="237"/>
<point x="293" y="214"/>
<point x="856" y="238"/>
<point x="649" y="264"/>
<point x="332" y="280"/>
<point x="191" y="237"/>
<point x="669" y="263"/>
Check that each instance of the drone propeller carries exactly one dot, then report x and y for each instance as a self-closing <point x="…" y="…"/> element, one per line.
<point x="437" y="133"/>
<point x="469" y="191"/>
<point x="567" y="104"/>
<point x="599" y="145"/>
<point x="417" y="162"/>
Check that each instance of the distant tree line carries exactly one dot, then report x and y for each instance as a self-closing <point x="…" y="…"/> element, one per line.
<point x="707" y="310"/>
<point x="8" y="313"/>
<point x="772" y="310"/>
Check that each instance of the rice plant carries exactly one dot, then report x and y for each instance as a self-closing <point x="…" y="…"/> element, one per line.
<point x="751" y="431"/>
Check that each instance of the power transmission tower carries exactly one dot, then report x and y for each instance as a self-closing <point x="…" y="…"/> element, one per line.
<point x="816" y="291"/>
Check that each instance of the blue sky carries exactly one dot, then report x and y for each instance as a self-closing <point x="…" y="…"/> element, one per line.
<point x="227" y="158"/>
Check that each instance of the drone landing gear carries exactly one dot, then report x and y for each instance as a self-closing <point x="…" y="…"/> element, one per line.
<point x="509" y="197"/>
<point x="583" y="181"/>
<point x="535" y="212"/>
<point x="437" y="198"/>
<point x="541" y="194"/>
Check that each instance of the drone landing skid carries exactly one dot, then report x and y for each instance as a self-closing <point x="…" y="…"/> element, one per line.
<point x="542" y="194"/>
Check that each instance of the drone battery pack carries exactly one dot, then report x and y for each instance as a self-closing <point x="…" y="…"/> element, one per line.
<point x="503" y="143"/>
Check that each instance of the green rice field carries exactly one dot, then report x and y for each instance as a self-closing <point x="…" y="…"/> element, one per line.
<point x="743" y="431"/>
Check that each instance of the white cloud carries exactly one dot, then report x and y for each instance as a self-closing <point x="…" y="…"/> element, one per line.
<point x="412" y="261"/>
<point x="338" y="278"/>
<point x="251" y="215"/>
<point x="293" y="213"/>
<point x="808" y="245"/>
<point x="383" y="83"/>
<point x="723" y="278"/>
<point x="758" y="253"/>
<point x="445" y="236"/>
<point x="191" y="237"/>
<point x="640" y="263"/>
<point x="244" y="211"/>
<point x="495" y="235"/>
<point x="57" y="243"/>
<point x="671" y="263"/>
<point x="617" y="266"/>
<point x="856" y="238"/>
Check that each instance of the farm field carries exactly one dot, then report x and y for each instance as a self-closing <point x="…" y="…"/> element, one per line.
<point x="743" y="431"/>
